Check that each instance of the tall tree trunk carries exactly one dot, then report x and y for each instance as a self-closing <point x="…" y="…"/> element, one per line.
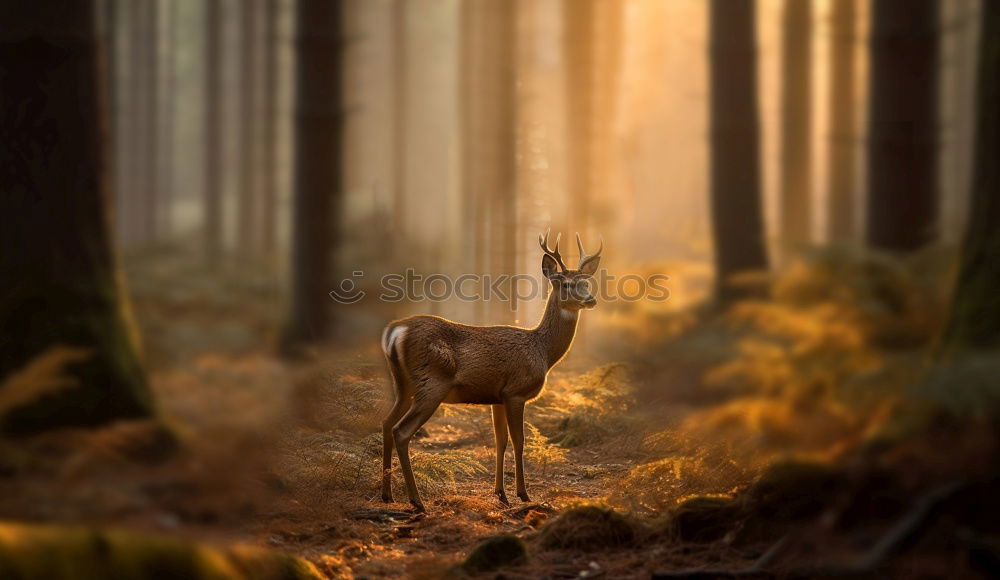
<point x="213" y="220"/>
<point x="796" y="124"/>
<point x="399" y="94"/>
<point x="592" y="51"/>
<point x="737" y="221"/>
<point x="318" y="159"/>
<point x="269" y="138"/>
<point x="578" y="49"/>
<point x="119" y="86"/>
<point x="488" y="103"/>
<point x="151" y="109"/>
<point x="246" y="182"/>
<point x="60" y="277"/>
<point x="903" y="155"/>
<point x="975" y="315"/>
<point x="135" y="194"/>
<point x="841" y="185"/>
<point x="167" y="98"/>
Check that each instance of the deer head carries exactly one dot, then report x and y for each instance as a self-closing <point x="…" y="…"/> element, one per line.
<point x="572" y="288"/>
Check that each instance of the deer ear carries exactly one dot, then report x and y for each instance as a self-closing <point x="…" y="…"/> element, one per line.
<point x="549" y="267"/>
<point x="589" y="267"/>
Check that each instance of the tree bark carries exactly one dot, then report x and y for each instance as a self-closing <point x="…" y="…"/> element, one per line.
<point x="269" y="162"/>
<point x="737" y="222"/>
<point x="213" y="219"/>
<point x="318" y="171"/>
<point x="61" y="281"/>
<point x="246" y="182"/>
<point x="488" y="109"/>
<point x="841" y="186"/>
<point x="592" y="49"/>
<point x="903" y="132"/>
<point x="399" y="120"/>
<point x="151" y="110"/>
<point x="975" y="315"/>
<point x="578" y="49"/>
<point x="135" y="193"/>
<point x="796" y="134"/>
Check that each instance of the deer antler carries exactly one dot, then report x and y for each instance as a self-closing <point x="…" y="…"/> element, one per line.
<point x="584" y="258"/>
<point x="544" y="243"/>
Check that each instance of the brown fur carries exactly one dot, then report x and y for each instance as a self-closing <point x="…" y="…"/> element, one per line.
<point x="436" y="361"/>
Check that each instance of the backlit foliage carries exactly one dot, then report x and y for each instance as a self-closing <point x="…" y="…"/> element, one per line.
<point x="813" y="370"/>
<point x="538" y="449"/>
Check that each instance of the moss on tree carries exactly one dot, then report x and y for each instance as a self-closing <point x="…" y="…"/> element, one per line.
<point x="61" y="284"/>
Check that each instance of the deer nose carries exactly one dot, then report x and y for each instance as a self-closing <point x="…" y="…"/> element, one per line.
<point x="590" y="302"/>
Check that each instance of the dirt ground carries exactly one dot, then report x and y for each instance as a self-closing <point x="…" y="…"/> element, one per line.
<point x="285" y="452"/>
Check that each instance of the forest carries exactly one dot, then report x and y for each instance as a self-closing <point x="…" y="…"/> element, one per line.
<point x="321" y="289"/>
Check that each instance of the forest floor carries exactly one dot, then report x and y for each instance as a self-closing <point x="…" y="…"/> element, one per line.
<point x="265" y="458"/>
<point x="286" y="453"/>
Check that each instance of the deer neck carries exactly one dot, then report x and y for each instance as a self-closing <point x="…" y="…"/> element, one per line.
<point x="555" y="330"/>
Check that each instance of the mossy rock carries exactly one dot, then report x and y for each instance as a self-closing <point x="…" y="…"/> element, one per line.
<point x="496" y="552"/>
<point x="704" y="519"/>
<point x="878" y="497"/>
<point x="30" y="552"/>
<point x="795" y="490"/>
<point x="589" y="527"/>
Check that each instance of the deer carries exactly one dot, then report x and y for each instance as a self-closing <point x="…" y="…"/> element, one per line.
<point x="433" y="361"/>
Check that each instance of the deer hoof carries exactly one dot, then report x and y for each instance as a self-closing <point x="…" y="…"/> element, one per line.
<point x="387" y="497"/>
<point x="502" y="497"/>
<point x="523" y="495"/>
<point x="418" y="507"/>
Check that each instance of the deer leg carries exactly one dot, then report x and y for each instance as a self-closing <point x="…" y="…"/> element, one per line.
<point x="401" y="406"/>
<point x="515" y="421"/>
<point x="425" y="402"/>
<point x="500" y="437"/>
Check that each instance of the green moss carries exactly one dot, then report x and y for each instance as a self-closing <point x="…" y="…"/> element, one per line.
<point x="794" y="490"/>
<point x="704" y="519"/>
<point x="110" y="384"/>
<point x="30" y="552"/>
<point x="496" y="552"/>
<point x="589" y="527"/>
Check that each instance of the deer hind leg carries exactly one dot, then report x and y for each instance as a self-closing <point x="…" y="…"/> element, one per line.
<point x="515" y="421"/>
<point x="402" y="405"/>
<point x="404" y="398"/>
<point x="426" y="400"/>
<point x="500" y="436"/>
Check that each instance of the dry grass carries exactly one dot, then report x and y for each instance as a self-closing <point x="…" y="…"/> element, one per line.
<point x="286" y="454"/>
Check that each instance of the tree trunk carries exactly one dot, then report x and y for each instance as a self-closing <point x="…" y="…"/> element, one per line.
<point x="213" y="133"/>
<point x="488" y="77"/>
<point x="841" y="186"/>
<point x="578" y="51"/>
<point x="737" y="222"/>
<point x="796" y="134"/>
<point x="135" y="193"/>
<point x="318" y="134"/>
<point x="399" y="94"/>
<point x="151" y="109"/>
<point x="246" y="182"/>
<point x="60" y="277"/>
<point x="592" y="51"/>
<point x="903" y="155"/>
<point x="166" y="118"/>
<point x="269" y="162"/>
<point x="975" y="316"/>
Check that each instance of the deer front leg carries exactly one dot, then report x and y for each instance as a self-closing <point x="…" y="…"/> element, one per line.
<point x="515" y="421"/>
<point x="425" y="402"/>
<point x="500" y="437"/>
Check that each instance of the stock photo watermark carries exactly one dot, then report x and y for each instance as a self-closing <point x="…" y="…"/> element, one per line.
<point x="412" y="286"/>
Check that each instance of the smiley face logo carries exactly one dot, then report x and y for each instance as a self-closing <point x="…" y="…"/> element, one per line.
<point x="348" y="292"/>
